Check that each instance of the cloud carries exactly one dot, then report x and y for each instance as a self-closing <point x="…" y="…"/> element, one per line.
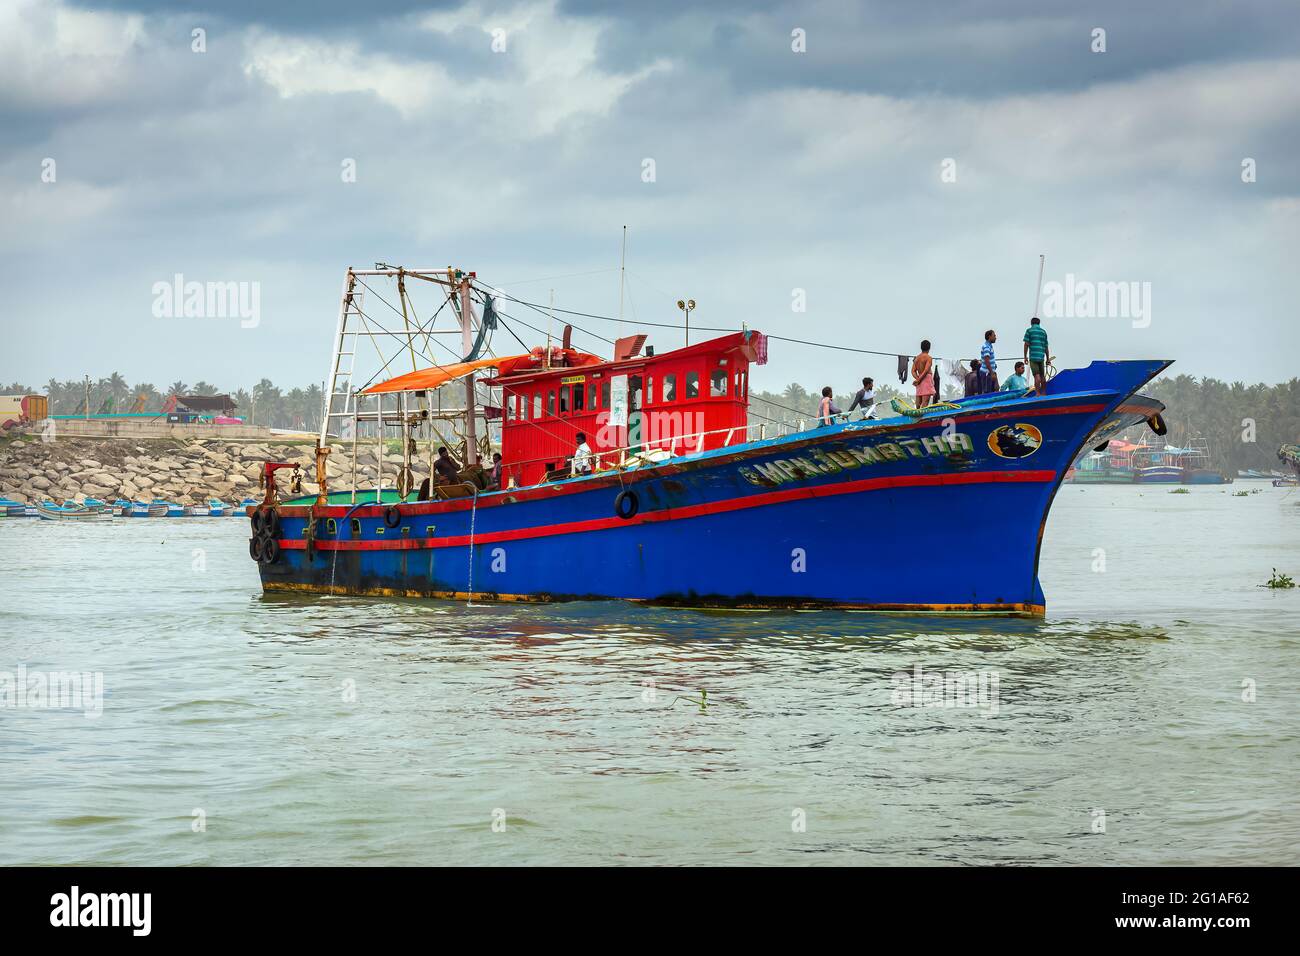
<point x="57" y="56"/>
<point x="771" y="173"/>
<point x="542" y="73"/>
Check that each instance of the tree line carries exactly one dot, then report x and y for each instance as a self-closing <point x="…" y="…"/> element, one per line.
<point x="264" y="404"/>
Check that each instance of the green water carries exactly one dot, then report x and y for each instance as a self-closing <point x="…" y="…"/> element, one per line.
<point x="345" y="730"/>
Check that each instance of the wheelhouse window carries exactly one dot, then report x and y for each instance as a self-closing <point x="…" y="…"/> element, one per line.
<point x="718" y="383"/>
<point x="510" y="407"/>
<point x="550" y="404"/>
<point x="564" y="400"/>
<point x="579" y="397"/>
<point x="649" y="390"/>
<point x="537" y="404"/>
<point x="692" y="384"/>
<point x="604" y="394"/>
<point x="670" y="388"/>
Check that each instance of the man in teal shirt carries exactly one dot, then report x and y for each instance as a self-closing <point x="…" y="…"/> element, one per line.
<point x="1016" y="383"/>
<point x="1036" y="353"/>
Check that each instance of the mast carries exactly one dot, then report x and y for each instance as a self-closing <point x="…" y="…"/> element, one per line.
<point x="467" y="344"/>
<point x="1038" y="289"/>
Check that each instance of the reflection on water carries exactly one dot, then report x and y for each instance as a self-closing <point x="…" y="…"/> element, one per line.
<point x="353" y="730"/>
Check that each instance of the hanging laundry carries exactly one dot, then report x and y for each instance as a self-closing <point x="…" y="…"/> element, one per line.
<point x="904" y="362"/>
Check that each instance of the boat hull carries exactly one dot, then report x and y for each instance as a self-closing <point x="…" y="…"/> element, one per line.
<point x="856" y="515"/>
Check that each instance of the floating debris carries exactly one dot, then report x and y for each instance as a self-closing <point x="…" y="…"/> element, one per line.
<point x="1279" y="581"/>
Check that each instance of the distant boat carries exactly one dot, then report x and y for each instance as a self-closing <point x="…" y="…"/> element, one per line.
<point x="1289" y="455"/>
<point x="12" y="509"/>
<point x="1158" y="463"/>
<point x="215" y="508"/>
<point x="155" y="509"/>
<point x="52" y="512"/>
<point x="170" y="509"/>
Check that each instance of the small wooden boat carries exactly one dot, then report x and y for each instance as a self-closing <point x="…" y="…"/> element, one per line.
<point x="12" y="509"/>
<point x="68" y="512"/>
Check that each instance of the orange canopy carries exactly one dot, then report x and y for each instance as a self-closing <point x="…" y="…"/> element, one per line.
<point x="427" y="378"/>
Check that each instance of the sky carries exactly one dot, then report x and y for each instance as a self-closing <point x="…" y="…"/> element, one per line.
<point x="862" y="174"/>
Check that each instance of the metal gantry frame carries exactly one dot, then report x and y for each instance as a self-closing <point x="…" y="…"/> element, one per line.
<point x="342" y="400"/>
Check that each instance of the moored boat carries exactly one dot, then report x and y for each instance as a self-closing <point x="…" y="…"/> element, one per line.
<point x="1289" y="455"/>
<point x="50" y="511"/>
<point x="680" y="499"/>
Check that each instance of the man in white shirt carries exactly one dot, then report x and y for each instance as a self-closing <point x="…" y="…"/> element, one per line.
<point x="582" y="457"/>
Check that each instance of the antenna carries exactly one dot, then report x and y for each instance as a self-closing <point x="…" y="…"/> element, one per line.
<point x="1038" y="289"/>
<point x="550" y="317"/>
<point x="622" y="268"/>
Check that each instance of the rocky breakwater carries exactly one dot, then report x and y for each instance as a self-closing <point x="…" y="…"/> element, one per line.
<point x="183" y="472"/>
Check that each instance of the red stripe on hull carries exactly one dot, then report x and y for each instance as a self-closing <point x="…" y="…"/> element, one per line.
<point x="674" y="514"/>
<point x="667" y="469"/>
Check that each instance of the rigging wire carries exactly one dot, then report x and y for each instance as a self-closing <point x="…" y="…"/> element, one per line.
<point x="709" y="328"/>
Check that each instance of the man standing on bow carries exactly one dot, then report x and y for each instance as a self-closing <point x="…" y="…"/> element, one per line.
<point x="988" y="364"/>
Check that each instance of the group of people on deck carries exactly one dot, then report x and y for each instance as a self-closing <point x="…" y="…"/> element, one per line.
<point x="983" y="375"/>
<point x="981" y="379"/>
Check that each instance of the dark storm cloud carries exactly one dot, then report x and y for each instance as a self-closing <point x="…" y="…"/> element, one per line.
<point x="970" y="49"/>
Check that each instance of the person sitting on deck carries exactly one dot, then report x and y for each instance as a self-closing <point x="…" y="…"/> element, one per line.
<point x="922" y="377"/>
<point x="448" y="473"/>
<point x="865" y="398"/>
<point x="582" y="457"/>
<point x="827" y="411"/>
<point x="1016" y="383"/>
<point x="494" y="476"/>
<point x="971" y="383"/>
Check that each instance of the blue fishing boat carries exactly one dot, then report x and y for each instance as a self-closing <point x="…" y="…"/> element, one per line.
<point x="12" y="509"/>
<point x="678" y="499"/>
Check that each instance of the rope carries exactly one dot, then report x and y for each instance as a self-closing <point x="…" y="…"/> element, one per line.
<point x="473" y="513"/>
<point x="703" y="328"/>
